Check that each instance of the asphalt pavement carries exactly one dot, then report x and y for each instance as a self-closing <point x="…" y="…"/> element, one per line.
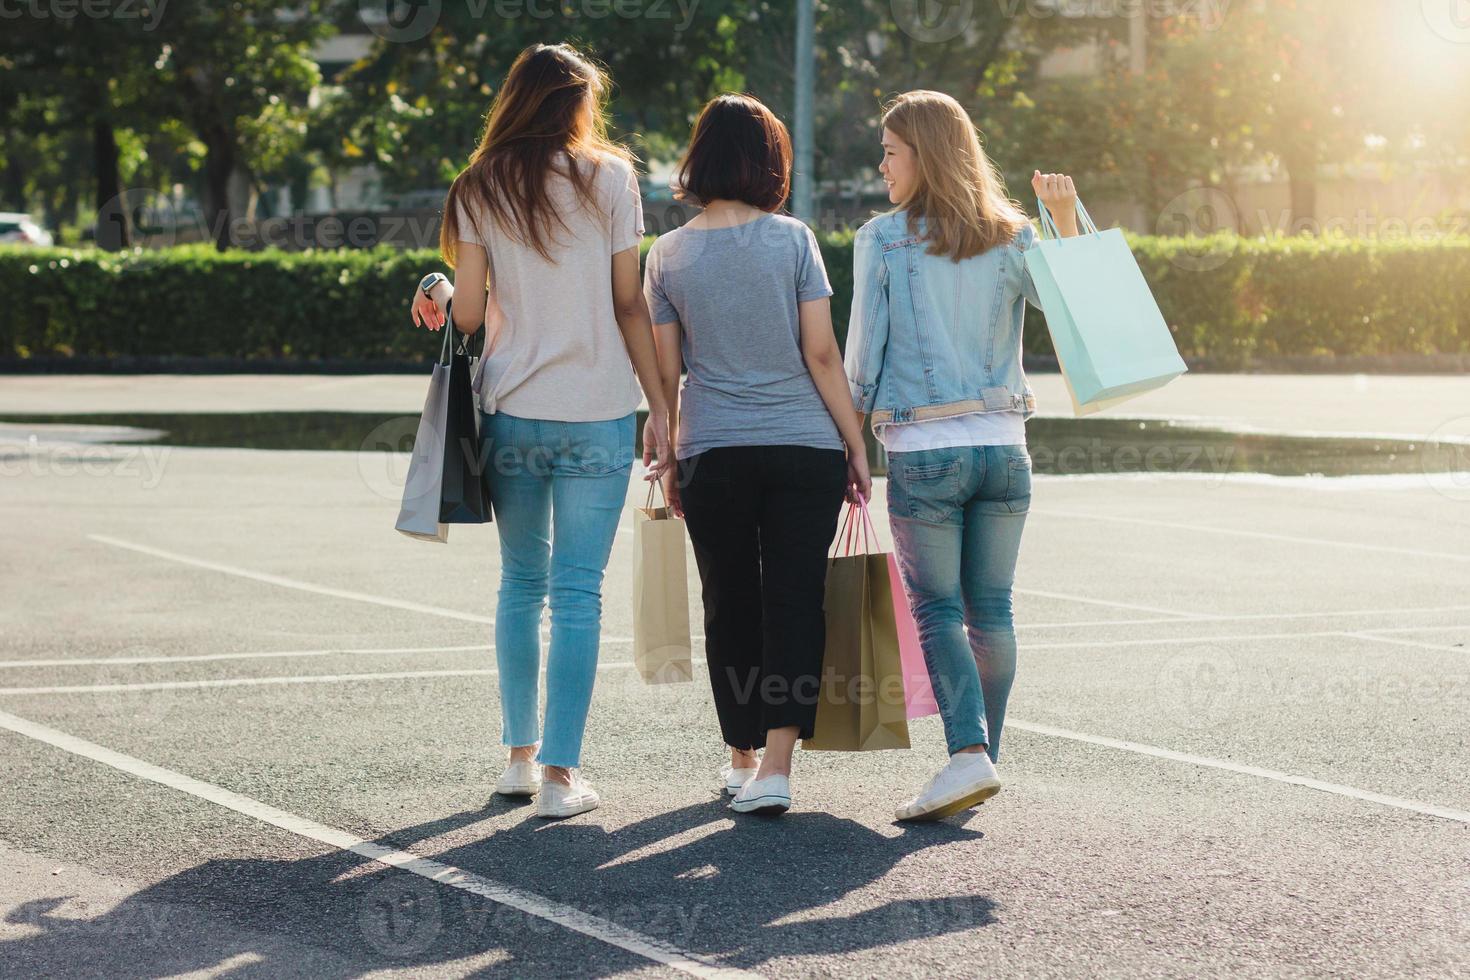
<point x="250" y="730"/>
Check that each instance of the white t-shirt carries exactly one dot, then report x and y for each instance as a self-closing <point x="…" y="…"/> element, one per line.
<point x="1006" y="428"/>
<point x="558" y="354"/>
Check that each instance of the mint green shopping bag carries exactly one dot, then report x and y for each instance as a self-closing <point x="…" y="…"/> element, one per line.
<point x="1111" y="340"/>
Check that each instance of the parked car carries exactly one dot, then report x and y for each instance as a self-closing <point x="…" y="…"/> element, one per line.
<point x="18" y="229"/>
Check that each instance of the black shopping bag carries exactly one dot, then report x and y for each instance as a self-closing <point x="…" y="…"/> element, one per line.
<point x="448" y="475"/>
<point x="464" y="496"/>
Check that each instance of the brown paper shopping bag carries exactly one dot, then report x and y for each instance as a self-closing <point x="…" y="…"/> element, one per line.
<point x="661" y="642"/>
<point x="861" y="704"/>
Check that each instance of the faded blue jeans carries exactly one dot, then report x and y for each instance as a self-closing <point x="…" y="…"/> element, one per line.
<point x="558" y="490"/>
<point x="957" y="516"/>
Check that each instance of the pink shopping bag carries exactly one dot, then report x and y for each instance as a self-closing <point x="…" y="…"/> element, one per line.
<point x="918" y="692"/>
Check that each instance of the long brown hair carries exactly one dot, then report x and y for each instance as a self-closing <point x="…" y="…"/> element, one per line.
<point x="553" y="100"/>
<point x="960" y="193"/>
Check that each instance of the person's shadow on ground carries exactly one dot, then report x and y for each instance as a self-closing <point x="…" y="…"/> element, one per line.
<point x="735" y="890"/>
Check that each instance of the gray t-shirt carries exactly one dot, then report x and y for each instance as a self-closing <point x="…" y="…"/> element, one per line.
<point x="734" y="293"/>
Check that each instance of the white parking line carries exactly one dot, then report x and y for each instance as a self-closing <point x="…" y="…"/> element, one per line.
<point x="616" y="664"/>
<point x="291" y="583"/>
<point x="1164" y="641"/>
<point x="1114" y="605"/>
<point x="1260" y="535"/>
<point x="257" y="655"/>
<point x="202" y="657"/>
<point x="1428" y="809"/>
<point x="63" y="740"/>
<point x="1237" y="637"/>
<point x="565" y="916"/>
<point x="395" y="675"/>
<point x="1437" y="628"/>
<point x="1374" y="635"/>
<point x="1175" y="615"/>
<point x="285" y="679"/>
<point x="1245" y="617"/>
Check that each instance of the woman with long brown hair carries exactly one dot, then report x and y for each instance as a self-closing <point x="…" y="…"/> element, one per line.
<point x="934" y="355"/>
<point x="542" y="230"/>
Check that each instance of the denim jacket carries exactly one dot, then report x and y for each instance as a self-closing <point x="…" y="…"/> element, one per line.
<point x="933" y="338"/>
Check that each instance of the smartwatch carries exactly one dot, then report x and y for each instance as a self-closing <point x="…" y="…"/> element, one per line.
<point x="431" y="280"/>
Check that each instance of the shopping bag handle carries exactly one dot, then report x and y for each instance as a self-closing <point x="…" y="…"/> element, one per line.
<point x="648" y="504"/>
<point x="1049" y="225"/>
<point x="451" y="330"/>
<point x="855" y="532"/>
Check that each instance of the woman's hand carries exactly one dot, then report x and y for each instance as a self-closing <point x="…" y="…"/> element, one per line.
<point x="1060" y="197"/>
<point x="671" y="492"/>
<point x="859" y="481"/>
<point x="426" y="312"/>
<point x="1056" y="192"/>
<point x="658" y="456"/>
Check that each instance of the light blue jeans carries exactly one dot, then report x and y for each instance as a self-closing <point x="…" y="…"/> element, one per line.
<point x="957" y="516"/>
<point x="558" y="490"/>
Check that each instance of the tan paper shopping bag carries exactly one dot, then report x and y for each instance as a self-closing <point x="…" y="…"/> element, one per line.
<point x="661" y="642"/>
<point x="861" y="704"/>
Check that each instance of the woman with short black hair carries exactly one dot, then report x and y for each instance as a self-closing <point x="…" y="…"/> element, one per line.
<point x="766" y="437"/>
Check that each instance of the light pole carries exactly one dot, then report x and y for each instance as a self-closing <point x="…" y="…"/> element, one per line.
<point x="803" y="193"/>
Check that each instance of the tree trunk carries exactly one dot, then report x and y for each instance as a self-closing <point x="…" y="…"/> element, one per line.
<point x="242" y="193"/>
<point x="112" y="208"/>
<point x="14" y="195"/>
<point x="1301" y="172"/>
<point x="219" y="163"/>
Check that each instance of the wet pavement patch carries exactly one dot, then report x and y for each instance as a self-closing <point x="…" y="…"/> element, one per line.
<point x="1059" y="446"/>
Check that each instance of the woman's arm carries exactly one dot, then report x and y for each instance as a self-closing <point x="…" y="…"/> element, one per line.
<point x="867" y="325"/>
<point x="637" y="328"/>
<point x="666" y="340"/>
<point x="470" y="292"/>
<point x="824" y="360"/>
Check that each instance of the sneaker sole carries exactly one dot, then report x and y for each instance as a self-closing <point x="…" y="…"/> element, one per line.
<point x="518" y="790"/>
<point x="957" y="804"/>
<point x="763" y="804"/>
<point x="563" y="814"/>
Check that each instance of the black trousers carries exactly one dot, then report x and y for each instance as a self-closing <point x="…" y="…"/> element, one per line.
<point x="761" y="519"/>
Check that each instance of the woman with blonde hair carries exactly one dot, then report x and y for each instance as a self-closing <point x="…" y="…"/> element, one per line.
<point x="934" y="356"/>
<point x="542" y="229"/>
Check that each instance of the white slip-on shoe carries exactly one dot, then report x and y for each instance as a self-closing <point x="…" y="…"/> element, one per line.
<point x="968" y="780"/>
<point x="519" y="779"/>
<point x="560" y="800"/>
<point x="732" y="779"/>
<point x="770" y="795"/>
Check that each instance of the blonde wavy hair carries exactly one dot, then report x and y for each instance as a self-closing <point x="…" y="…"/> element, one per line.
<point x="960" y="194"/>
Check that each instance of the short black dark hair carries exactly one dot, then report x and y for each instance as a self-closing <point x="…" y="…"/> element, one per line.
<point x="739" y="151"/>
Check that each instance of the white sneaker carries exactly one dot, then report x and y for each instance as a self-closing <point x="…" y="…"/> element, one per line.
<point x="770" y="795"/>
<point x="968" y="780"/>
<point x="733" y="778"/>
<point x="519" y="779"/>
<point x="559" y="800"/>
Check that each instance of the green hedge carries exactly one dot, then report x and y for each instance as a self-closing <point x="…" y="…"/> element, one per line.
<point x="1229" y="300"/>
